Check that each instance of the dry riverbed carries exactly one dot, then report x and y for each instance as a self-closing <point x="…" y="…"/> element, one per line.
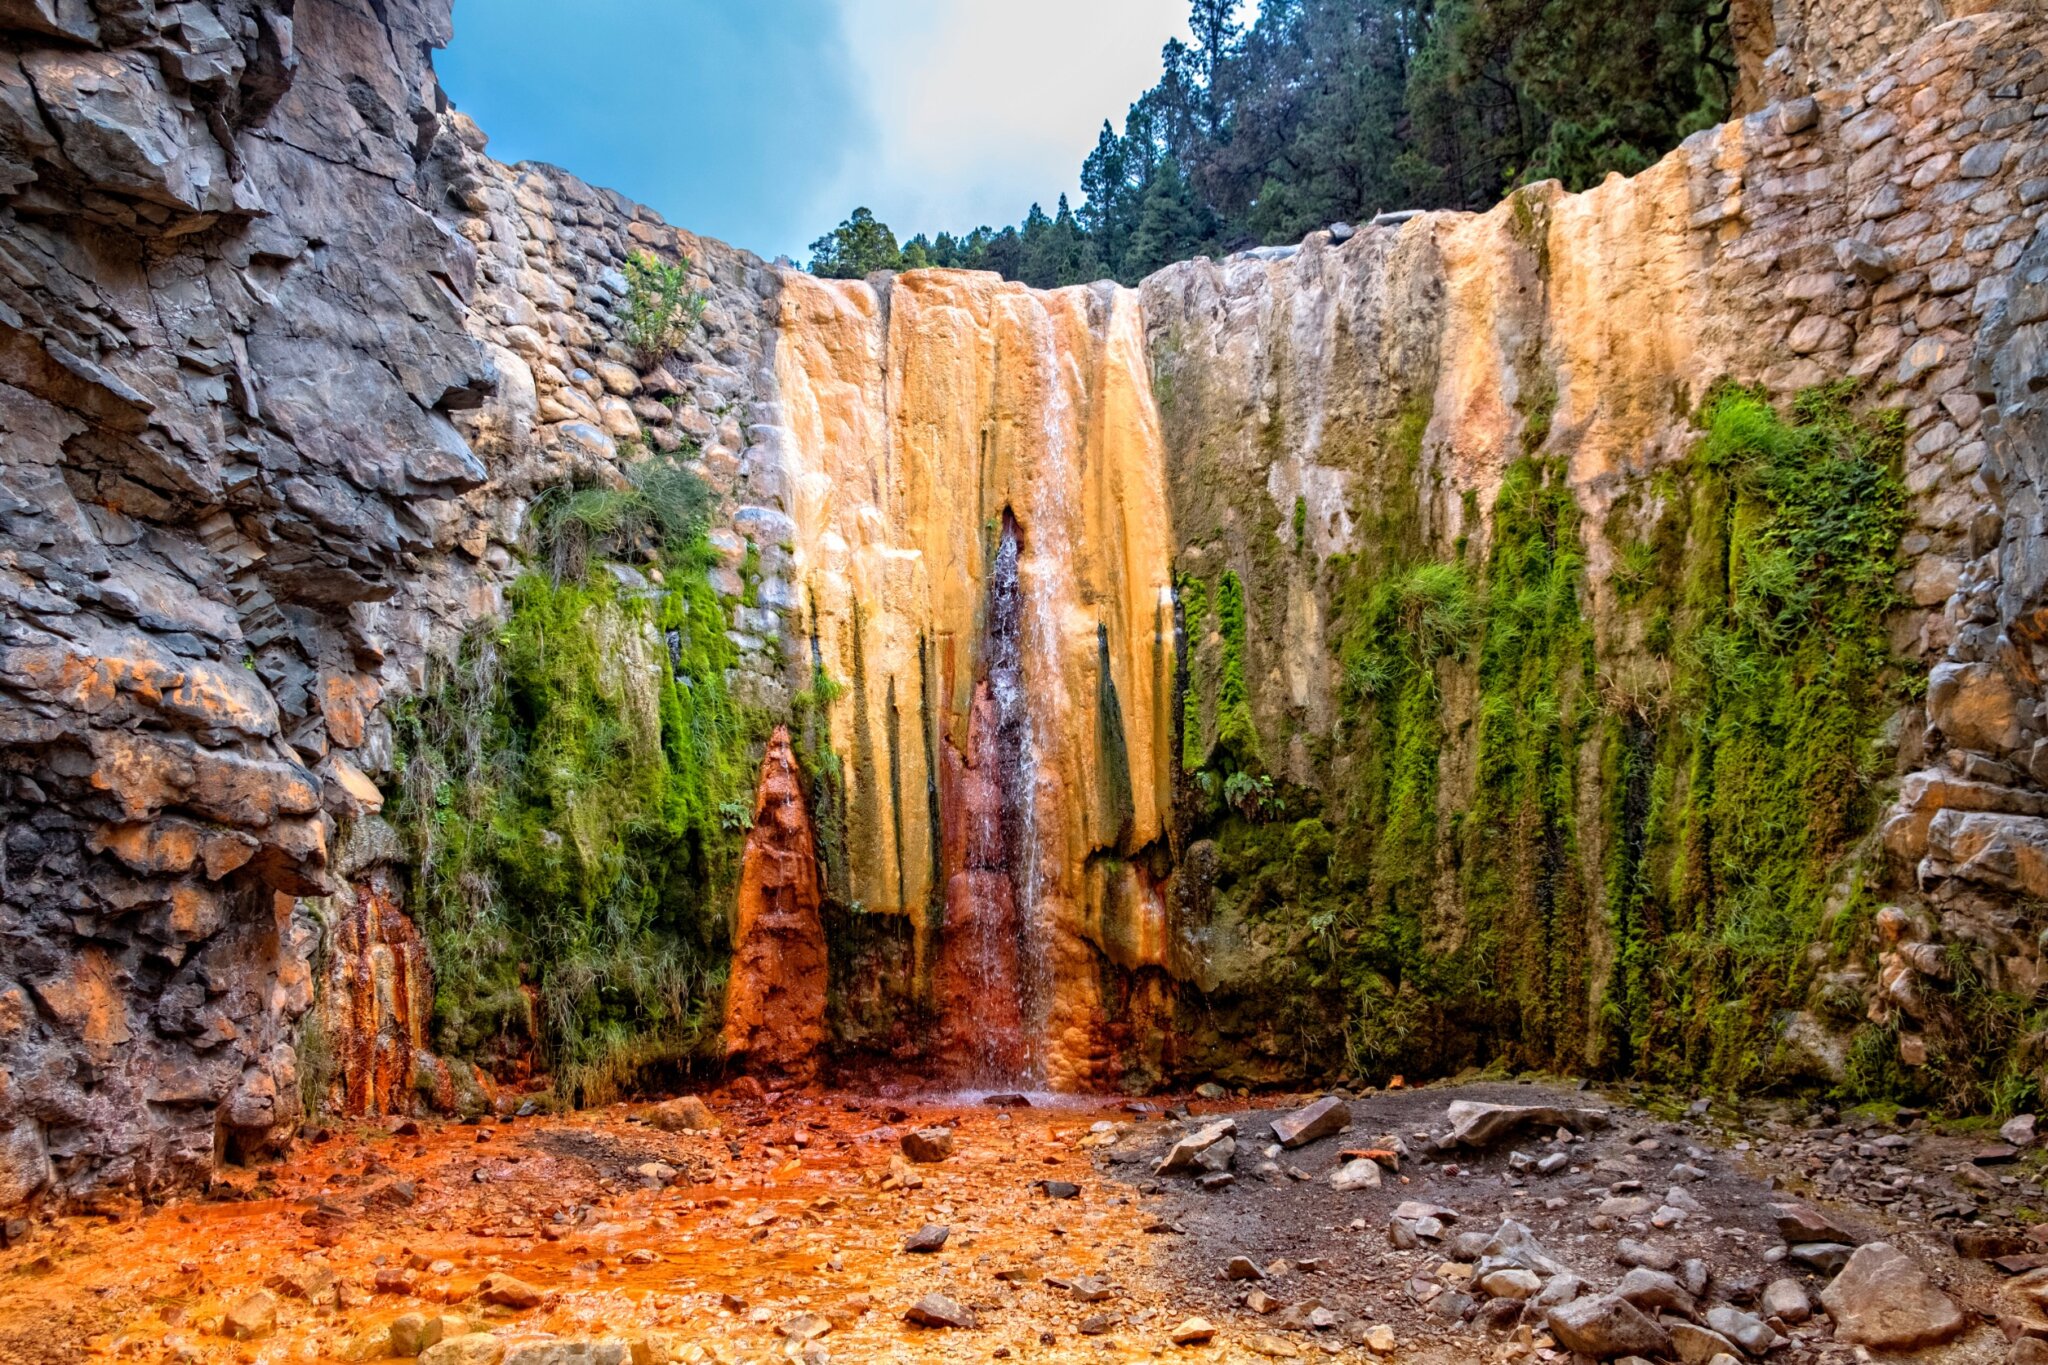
<point x="796" y="1231"/>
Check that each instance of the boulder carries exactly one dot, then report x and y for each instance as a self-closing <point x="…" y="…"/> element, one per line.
<point x="1327" y="1117"/>
<point x="508" y="1292"/>
<point x="1883" y="1300"/>
<point x="1606" y="1326"/>
<point x="1360" y="1173"/>
<point x="1475" y="1124"/>
<point x="686" y="1114"/>
<point x="1184" y="1156"/>
<point x="928" y="1145"/>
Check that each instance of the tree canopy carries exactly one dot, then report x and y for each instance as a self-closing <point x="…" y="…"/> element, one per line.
<point x="1323" y="111"/>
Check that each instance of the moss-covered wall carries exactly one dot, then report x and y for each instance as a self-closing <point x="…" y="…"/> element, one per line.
<point x="1538" y="836"/>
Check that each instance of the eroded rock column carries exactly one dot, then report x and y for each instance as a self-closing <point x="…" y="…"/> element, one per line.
<point x="775" y="998"/>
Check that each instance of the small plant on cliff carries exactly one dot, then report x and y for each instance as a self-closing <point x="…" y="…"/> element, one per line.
<point x="660" y="309"/>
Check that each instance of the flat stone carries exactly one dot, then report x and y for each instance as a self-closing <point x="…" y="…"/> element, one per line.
<point x="1606" y="1326"/>
<point x="1193" y="1332"/>
<point x="1882" y="1299"/>
<point x="1984" y="160"/>
<point x="1183" y="1157"/>
<point x="927" y="1239"/>
<point x="1327" y="1117"/>
<point x="936" y="1310"/>
<point x="1803" y="1223"/>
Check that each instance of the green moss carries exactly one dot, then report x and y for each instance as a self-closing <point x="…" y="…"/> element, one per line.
<point x="575" y="786"/>
<point x="1193" y="597"/>
<point x="1743" y="786"/>
<point x="1300" y="523"/>
<point x="1525" y="899"/>
<point x="1714" y="741"/>
<point x="1235" y="729"/>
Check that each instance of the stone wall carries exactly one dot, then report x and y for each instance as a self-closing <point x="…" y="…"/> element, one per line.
<point x="1789" y="48"/>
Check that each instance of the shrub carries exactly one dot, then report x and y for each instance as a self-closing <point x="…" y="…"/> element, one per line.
<point x="660" y="307"/>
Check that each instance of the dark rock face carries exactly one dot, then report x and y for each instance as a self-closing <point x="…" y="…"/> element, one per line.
<point x="231" y="338"/>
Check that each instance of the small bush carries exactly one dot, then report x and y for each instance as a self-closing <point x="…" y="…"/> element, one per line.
<point x="660" y="308"/>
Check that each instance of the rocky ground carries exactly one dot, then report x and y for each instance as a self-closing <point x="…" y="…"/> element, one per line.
<point x="829" y="1227"/>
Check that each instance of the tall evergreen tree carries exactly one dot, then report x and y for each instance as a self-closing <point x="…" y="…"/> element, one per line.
<point x="856" y="248"/>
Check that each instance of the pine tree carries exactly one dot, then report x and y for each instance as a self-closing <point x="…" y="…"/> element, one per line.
<point x="1169" y="227"/>
<point x="856" y="248"/>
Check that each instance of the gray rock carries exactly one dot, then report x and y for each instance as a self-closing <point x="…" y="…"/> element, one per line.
<point x="1826" y="1257"/>
<point x="1785" y="1300"/>
<point x="1604" y="1327"/>
<point x="927" y="1239"/>
<point x="936" y="1310"/>
<point x="1360" y="1173"/>
<point x="1183" y="1158"/>
<point x="1696" y="1345"/>
<point x="1478" y="1125"/>
<point x="1749" y="1332"/>
<point x="1652" y="1290"/>
<point x="1327" y="1117"/>
<point x="1629" y="1251"/>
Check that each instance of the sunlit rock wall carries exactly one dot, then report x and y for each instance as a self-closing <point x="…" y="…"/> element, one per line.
<point x="914" y="415"/>
<point x="1868" y="231"/>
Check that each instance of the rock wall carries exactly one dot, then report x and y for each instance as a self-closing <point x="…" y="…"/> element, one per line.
<point x="1343" y="403"/>
<point x="285" y="359"/>
<point x="231" y="341"/>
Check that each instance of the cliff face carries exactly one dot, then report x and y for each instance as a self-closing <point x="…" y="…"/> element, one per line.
<point x="1385" y="652"/>
<point x="231" y="341"/>
<point x="1344" y="414"/>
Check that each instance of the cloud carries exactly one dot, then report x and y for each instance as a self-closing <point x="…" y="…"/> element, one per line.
<point x="978" y="109"/>
<point x="765" y="122"/>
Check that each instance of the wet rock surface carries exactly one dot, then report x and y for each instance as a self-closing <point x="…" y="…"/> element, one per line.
<point x="789" y="1231"/>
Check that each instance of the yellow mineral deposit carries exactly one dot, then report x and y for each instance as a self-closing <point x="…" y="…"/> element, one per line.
<point x="921" y="416"/>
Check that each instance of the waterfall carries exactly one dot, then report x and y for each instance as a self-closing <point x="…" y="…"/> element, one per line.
<point x="974" y="473"/>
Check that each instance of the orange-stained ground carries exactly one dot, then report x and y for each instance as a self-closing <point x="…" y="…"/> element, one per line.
<point x="788" y="1210"/>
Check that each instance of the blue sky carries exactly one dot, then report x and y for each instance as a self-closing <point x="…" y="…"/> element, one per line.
<point x="764" y="122"/>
